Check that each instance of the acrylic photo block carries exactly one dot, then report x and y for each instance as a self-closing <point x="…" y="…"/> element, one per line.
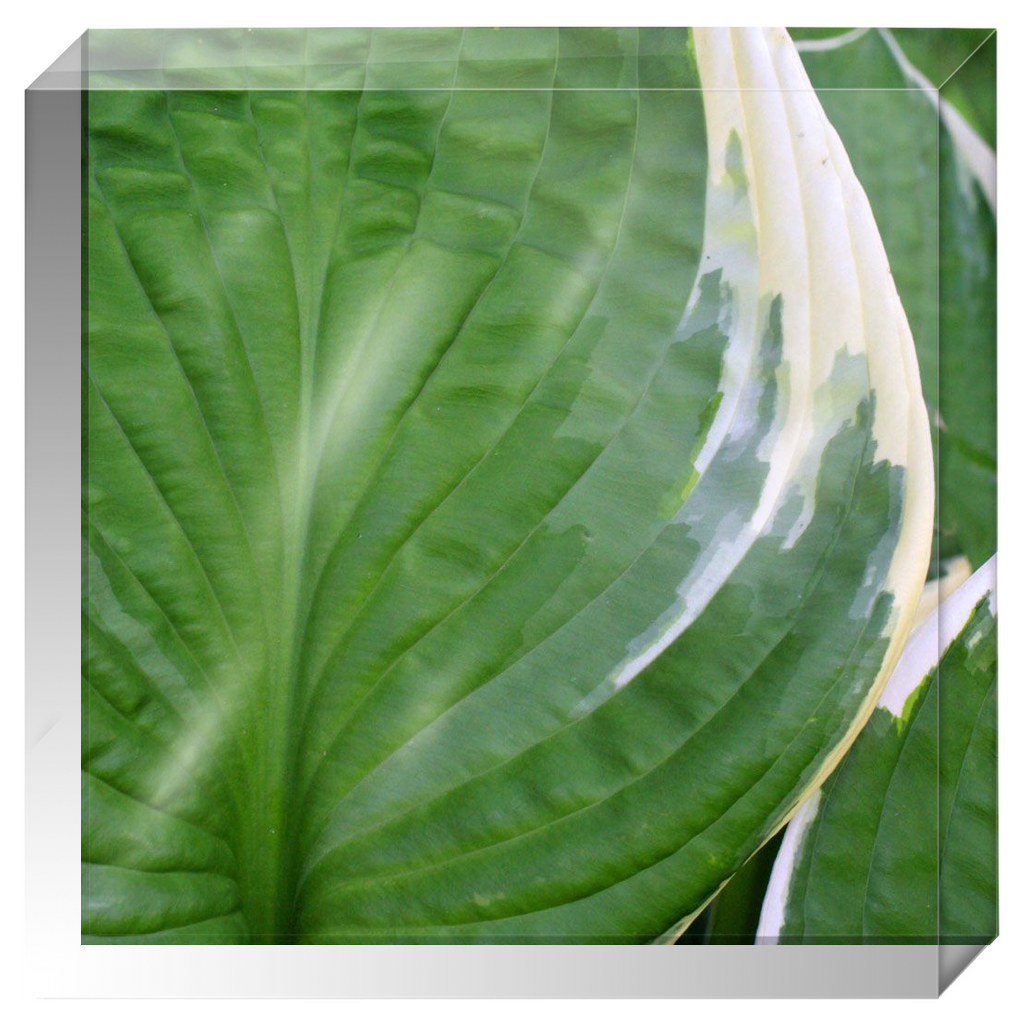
<point x="537" y="491"/>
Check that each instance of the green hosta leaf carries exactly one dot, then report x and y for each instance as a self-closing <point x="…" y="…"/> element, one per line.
<point x="963" y="63"/>
<point x="503" y="503"/>
<point x="900" y="845"/>
<point x="931" y="181"/>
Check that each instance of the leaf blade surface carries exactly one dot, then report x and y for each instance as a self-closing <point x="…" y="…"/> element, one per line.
<point x="470" y="471"/>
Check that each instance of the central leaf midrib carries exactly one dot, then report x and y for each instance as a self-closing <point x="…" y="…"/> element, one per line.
<point x="272" y="884"/>
<point x="273" y="877"/>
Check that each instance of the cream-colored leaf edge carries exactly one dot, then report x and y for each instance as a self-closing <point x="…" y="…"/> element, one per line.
<point x="820" y="249"/>
<point x="925" y="649"/>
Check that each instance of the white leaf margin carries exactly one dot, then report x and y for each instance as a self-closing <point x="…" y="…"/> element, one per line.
<point x="818" y="246"/>
<point x="923" y="652"/>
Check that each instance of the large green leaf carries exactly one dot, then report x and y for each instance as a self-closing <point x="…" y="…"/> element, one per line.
<point x="900" y="845"/>
<point x="931" y="181"/>
<point x="504" y="502"/>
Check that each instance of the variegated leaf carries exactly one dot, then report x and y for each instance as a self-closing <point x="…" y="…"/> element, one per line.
<point x="900" y="845"/>
<point x="931" y="179"/>
<point x="509" y="484"/>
